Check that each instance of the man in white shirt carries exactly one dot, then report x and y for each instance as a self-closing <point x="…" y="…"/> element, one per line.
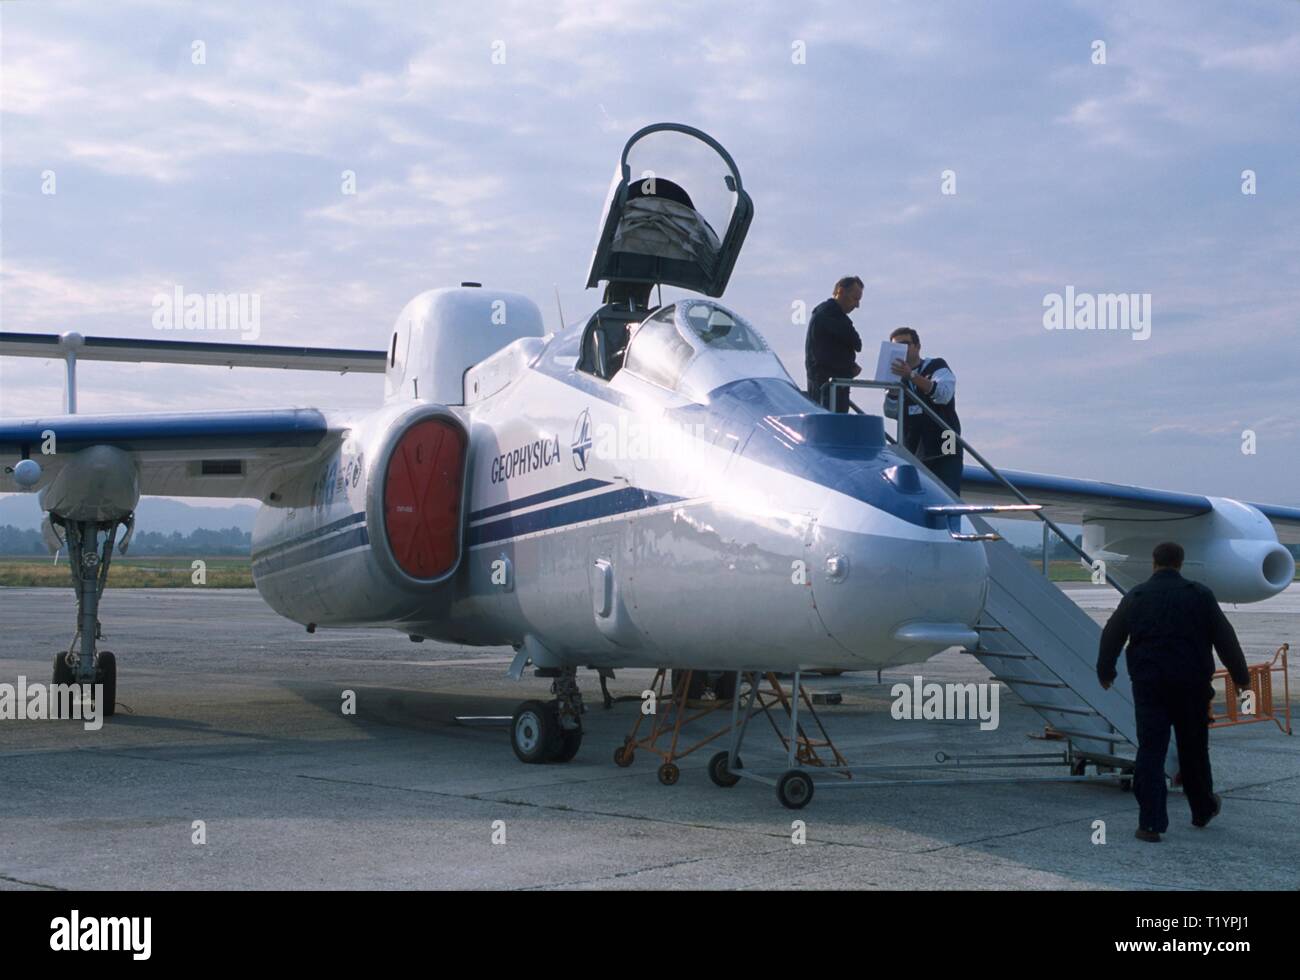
<point x="933" y="382"/>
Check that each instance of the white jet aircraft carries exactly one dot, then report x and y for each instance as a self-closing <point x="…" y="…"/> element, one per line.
<point x="645" y="488"/>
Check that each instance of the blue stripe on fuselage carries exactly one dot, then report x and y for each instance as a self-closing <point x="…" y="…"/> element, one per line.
<point x="333" y="538"/>
<point x="622" y="501"/>
<point x="568" y="490"/>
<point x="339" y="536"/>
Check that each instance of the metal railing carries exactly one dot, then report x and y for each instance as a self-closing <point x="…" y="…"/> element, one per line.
<point x="904" y="393"/>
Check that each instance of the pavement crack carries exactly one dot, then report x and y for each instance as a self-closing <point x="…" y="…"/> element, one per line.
<point x="31" y="884"/>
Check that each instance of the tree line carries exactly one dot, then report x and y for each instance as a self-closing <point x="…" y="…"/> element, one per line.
<point x="230" y="541"/>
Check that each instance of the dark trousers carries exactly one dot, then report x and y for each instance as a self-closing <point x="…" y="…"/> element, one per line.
<point x="1160" y="705"/>
<point x="947" y="470"/>
<point x="840" y="396"/>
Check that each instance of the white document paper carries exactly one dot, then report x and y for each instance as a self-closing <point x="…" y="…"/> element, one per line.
<point x="889" y="353"/>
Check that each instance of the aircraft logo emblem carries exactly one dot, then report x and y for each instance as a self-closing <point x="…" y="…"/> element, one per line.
<point x="582" y="440"/>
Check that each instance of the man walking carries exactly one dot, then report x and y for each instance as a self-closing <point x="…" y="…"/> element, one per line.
<point x="933" y="382"/>
<point x="1170" y="625"/>
<point x="832" y="342"/>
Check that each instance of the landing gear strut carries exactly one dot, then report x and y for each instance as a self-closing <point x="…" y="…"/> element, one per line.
<point x="88" y="560"/>
<point x="550" y="731"/>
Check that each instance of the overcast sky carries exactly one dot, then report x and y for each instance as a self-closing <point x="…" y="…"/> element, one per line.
<point x="226" y="176"/>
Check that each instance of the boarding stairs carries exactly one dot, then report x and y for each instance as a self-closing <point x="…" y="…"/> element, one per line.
<point x="1037" y="641"/>
<point x="1033" y="637"/>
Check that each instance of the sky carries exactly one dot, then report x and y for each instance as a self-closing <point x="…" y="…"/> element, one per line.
<point x="205" y="146"/>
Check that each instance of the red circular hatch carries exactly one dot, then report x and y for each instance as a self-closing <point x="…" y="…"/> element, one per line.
<point x="422" y="498"/>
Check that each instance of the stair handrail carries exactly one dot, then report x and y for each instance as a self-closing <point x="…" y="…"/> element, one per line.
<point x="827" y="392"/>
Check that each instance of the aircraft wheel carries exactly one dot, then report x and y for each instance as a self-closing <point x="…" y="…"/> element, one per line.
<point x="721" y="773"/>
<point x="106" y="674"/>
<point x="535" y="732"/>
<point x="1126" y="783"/>
<point x="62" y="672"/>
<point x="570" y="742"/>
<point x="623" y="756"/>
<point x="794" y="789"/>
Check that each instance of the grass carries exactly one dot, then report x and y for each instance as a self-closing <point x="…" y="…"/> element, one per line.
<point x="1067" y="570"/>
<point x="143" y="572"/>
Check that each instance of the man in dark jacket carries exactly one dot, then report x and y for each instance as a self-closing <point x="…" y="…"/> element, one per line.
<point x="1170" y="625"/>
<point x="832" y="342"/>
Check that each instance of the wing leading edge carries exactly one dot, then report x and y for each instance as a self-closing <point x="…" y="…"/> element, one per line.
<point x="1073" y="500"/>
<point x="200" y="454"/>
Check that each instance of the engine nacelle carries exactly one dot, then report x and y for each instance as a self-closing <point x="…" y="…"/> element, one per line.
<point x="415" y="497"/>
<point x="374" y="533"/>
<point x="1232" y="549"/>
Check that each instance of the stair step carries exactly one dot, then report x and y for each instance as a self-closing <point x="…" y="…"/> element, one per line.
<point x="1042" y="706"/>
<point x="1090" y="736"/>
<point x="1003" y="656"/>
<point x="1030" y="681"/>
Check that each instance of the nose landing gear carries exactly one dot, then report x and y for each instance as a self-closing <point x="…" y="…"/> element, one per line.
<point x="550" y="731"/>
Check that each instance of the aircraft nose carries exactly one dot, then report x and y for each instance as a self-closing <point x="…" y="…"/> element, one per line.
<point x="893" y="591"/>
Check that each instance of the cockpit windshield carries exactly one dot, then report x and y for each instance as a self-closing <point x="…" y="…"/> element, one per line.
<point x="666" y="343"/>
<point x="658" y="351"/>
<point x="719" y="328"/>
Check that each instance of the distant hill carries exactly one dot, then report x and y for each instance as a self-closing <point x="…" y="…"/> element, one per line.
<point x="160" y="515"/>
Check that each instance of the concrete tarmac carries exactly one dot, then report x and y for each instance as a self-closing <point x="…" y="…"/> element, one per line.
<point x="232" y="716"/>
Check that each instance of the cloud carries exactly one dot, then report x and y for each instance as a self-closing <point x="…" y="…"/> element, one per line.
<point x="225" y="176"/>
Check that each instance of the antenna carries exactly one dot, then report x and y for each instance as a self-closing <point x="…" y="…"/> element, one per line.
<point x="558" y="307"/>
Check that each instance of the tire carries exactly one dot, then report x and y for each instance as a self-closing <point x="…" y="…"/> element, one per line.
<point x="1126" y="783"/>
<point x="535" y="732"/>
<point x="62" y="672"/>
<point x="623" y="756"/>
<point x="794" y="789"/>
<point x="722" y="774"/>
<point x="106" y="674"/>
<point x="1078" y="766"/>
<point x="669" y="774"/>
<point x="570" y="742"/>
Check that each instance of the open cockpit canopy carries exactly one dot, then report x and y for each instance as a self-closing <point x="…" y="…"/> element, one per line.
<point x="676" y="214"/>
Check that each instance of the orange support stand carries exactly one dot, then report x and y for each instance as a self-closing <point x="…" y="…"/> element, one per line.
<point x="674" y="712"/>
<point x="1261" y="687"/>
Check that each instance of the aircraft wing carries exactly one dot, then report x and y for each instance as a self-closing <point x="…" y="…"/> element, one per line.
<point x="1066" y="499"/>
<point x="200" y="454"/>
<point x="54" y="346"/>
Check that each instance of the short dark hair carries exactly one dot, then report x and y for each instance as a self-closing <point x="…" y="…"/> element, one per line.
<point x="1167" y="554"/>
<point x="848" y="281"/>
<point x="915" y="337"/>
